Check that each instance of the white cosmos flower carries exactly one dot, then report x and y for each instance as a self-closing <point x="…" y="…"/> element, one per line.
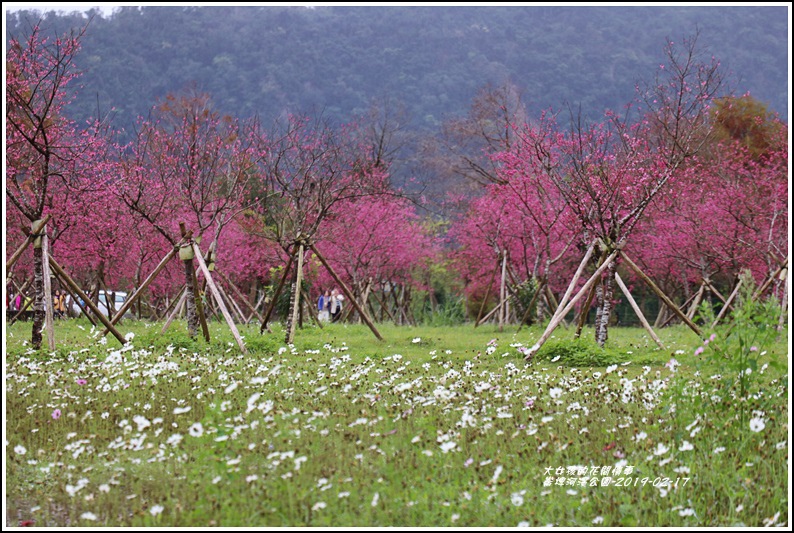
<point x="555" y="392"/>
<point x="685" y="446"/>
<point x="417" y="340"/>
<point x="317" y="506"/>
<point x="142" y="422"/>
<point x="523" y="524"/>
<point x="20" y="450"/>
<point x="231" y="387"/>
<point x="757" y="424"/>
<point x="88" y="516"/>
<point x="661" y="449"/>
<point x="181" y="410"/>
<point x="598" y="519"/>
<point x="196" y="430"/>
<point x="375" y="499"/>
<point x="517" y="499"/>
<point x="611" y="368"/>
<point x="156" y="510"/>
<point x="447" y="446"/>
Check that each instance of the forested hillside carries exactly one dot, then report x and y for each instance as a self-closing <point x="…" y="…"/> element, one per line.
<point x="337" y="60"/>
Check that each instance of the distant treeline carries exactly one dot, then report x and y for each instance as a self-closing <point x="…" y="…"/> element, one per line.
<point x="268" y="61"/>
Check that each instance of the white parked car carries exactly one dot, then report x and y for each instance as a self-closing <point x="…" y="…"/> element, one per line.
<point x="102" y="304"/>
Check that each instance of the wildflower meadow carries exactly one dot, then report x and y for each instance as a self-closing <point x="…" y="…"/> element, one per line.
<point x="442" y="427"/>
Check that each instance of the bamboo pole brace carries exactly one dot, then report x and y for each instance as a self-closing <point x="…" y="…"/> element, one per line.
<point x="503" y="291"/>
<point x="637" y="310"/>
<point x="22" y="306"/>
<point x="662" y="295"/>
<point x="22" y="309"/>
<point x="494" y="310"/>
<point x="556" y="321"/>
<point x="696" y="302"/>
<point x="714" y="290"/>
<point x="239" y="295"/>
<point x="487" y="294"/>
<point x="86" y="299"/>
<point x="199" y="305"/>
<point x="276" y="294"/>
<point x="683" y="305"/>
<point x="255" y="309"/>
<point x="341" y="283"/>
<point x="230" y="303"/>
<point x="769" y="280"/>
<point x="178" y="302"/>
<point x="783" y="300"/>
<point x="584" y="311"/>
<point x="531" y="303"/>
<point x="576" y="276"/>
<point x="384" y="307"/>
<point x="73" y="297"/>
<point x="297" y="296"/>
<point x="146" y="282"/>
<point x="30" y="238"/>
<point x="218" y="300"/>
<point x="49" y="311"/>
<point x="312" y="309"/>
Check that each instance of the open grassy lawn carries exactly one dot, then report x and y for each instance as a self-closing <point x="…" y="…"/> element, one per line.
<point x="442" y="427"/>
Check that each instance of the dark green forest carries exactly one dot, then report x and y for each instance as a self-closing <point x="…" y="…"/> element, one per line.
<point x="337" y="61"/>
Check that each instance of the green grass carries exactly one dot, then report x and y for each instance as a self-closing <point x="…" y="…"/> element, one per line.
<point x="433" y="426"/>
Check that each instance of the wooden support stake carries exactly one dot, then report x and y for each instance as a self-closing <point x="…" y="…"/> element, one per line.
<point x="683" y="305"/>
<point x="218" y="300"/>
<point x="531" y="303"/>
<point x="714" y="290"/>
<point x="385" y="307"/>
<point x="347" y="292"/>
<point x="576" y="276"/>
<point x="296" y="297"/>
<point x="276" y="294"/>
<point x="696" y="302"/>
<point x="662" y="295"/>
<point x="146" y="282"/>
<point x="637" y="310"/>
<point x="239" y="295"/>
<point x="86" y="299"/>
<point x="584" y="311"/>
<point x="49" y="311"/>
<point x="495" y="309"/>
<point x="783" y="302"/>
<point x="178" y="302"/>
<point x="30" y="238"/>
<point x="559" y="316"/>
<point x="502" y="292"/>
<point x="312" y="309"/>
<point x="487" y="294"/>
<point x="769" y="281"/>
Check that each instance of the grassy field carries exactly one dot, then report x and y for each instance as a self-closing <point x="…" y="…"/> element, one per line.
<point x="443" y="427"/>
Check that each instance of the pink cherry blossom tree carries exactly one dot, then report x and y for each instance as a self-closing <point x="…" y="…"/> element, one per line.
<point x="44" y="149"/>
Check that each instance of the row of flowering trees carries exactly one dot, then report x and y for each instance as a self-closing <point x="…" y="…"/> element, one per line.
<point x="248" y="198"/>
<point x="692" y="189"/>
<point x="686" y="186"/>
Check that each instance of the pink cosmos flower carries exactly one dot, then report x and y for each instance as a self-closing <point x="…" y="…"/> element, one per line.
<point x="56" y="414"/>
<point x="81" y="382"/>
